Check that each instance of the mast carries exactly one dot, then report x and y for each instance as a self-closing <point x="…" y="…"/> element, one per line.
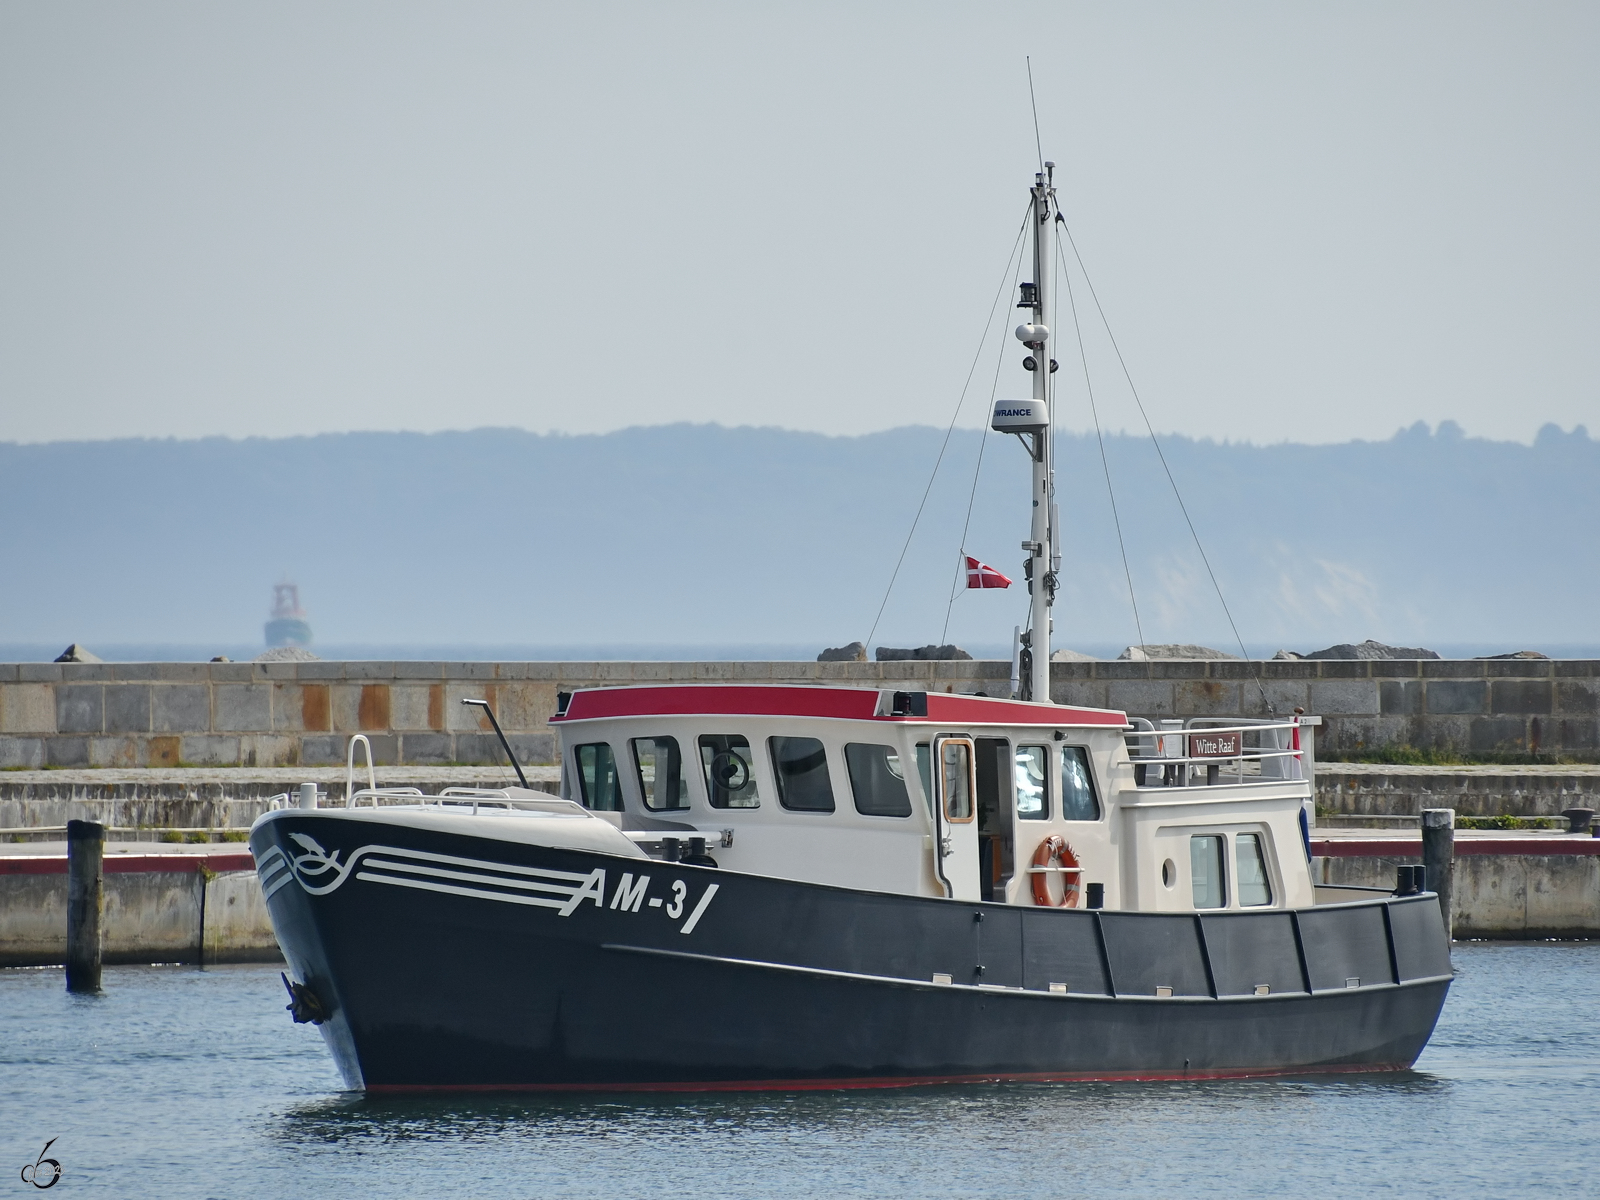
<point x="1031" y="421"/>
<point x="1043" y="544"/>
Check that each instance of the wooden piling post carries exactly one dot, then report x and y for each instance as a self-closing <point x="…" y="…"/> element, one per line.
<point x="86" y="843"/>
<point x="1439" y="858"/>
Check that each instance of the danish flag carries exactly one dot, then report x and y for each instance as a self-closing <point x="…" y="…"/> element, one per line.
<point x="981" y="576"/>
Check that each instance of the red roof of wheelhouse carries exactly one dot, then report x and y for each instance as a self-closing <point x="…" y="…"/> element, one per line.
<point x="853" y="704"/>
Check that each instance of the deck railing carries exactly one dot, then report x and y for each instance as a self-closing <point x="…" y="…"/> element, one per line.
<point x="1206" y="751"/>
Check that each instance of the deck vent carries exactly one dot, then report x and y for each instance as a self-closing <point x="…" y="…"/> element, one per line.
<point x="1058" y="987"/>
<point x="1262" y="989"/>
<point x="909" y="704"/>
<point x="941" y="978"/>
<point x="1353" y="981"/>
<point x="562" y="700"/>
<point x="1163" y="990"/>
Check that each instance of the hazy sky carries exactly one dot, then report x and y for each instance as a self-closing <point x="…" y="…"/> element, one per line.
<point x="1307" y="221"/>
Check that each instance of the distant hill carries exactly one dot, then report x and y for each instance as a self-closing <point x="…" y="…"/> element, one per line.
<point x="687" y="534"/>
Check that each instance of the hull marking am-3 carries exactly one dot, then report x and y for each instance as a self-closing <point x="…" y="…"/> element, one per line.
<point x="319" y="873"/>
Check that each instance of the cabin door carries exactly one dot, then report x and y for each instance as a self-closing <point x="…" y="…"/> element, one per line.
<point x="996" y="831"/>
<point x="955" y="813"/>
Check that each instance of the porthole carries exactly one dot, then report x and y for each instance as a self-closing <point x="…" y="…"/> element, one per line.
<point x="1169" y="873"/>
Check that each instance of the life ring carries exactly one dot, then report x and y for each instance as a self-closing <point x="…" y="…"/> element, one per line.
<point x="1052" y="851"/>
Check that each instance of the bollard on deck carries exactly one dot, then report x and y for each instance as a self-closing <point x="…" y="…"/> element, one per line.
<point x="1439" y="857"/>
<point x="86" y="844"/>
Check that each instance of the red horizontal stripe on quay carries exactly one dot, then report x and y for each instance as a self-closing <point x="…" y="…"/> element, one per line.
<point x="127" y="864"/>
<point x="1533" y="847"/>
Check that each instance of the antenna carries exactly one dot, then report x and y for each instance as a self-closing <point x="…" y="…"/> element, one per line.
<point x="489" y="712"/>
<point x="1037" y="144"/>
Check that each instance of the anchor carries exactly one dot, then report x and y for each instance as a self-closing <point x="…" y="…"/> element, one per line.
<point x="303" y="1004"/>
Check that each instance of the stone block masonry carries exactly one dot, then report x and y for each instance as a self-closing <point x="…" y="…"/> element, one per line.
<point x="113" y="715"/>
<point x="1482" y="706"/>
<point x="302" y="714"/>
<point x="190" y="906"/>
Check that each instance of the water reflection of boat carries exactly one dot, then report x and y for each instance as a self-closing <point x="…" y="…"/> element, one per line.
<point x="288" y="625"/>
<point x="746" y="886"/>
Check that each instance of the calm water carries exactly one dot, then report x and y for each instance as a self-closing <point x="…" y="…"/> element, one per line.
<point x="180" y="1082"/>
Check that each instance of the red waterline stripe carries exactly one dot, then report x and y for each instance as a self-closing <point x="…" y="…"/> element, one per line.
<point x="894" y="1081"/>
<point x="120" y="864"/>
<point x="1464" y="847"/>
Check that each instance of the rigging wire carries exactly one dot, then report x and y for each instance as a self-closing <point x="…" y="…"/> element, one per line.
<point x="1100" y="438"/>
<point x="945" y="445"/>
<point x="1156" y="442"/>
<point x="972" y="496"/>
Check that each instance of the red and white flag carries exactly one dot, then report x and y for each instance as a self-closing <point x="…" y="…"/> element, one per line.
<point x="982" y="576"/>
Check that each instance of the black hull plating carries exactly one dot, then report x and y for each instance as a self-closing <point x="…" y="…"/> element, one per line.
<point x="439" y="971"/>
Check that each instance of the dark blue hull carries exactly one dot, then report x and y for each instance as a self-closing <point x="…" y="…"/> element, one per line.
<point x="446" y="961"/>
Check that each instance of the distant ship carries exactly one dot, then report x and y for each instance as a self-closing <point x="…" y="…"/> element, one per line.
<point x="288" y="626"/>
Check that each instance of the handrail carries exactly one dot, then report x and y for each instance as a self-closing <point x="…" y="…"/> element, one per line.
<point x="499" y="799"/>
<point x="377" y="794"/>
<point x="1149" y="745"/>
<point x="350" y="770"/>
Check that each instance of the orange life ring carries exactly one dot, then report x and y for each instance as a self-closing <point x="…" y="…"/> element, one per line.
<point x="1051" y="851"/>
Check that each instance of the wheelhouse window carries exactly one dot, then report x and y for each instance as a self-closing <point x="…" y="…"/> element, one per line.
<point x="1031" y="778"/>
<point x="1250" y="871"/>
<point x="660" y="773"/>
<point x="955" y="779"/>
<point x="1206" y="871"/>
<point x="801" y="767"/>
<point x="730" y="770"/>
<point x="1078" y="801"/>
<point x="598" y="781"/>
<point x="877" y="780"/>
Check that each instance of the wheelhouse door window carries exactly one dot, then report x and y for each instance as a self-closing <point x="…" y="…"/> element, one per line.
<point x="598" y="781"/>
<point x="1078" y="801"/>
<point x="660" y="773"/>
<point x="801" y="767"/>
<point x="955" y="779"/>
<point x="730" y="770"/>
<point x="877" y="780"/>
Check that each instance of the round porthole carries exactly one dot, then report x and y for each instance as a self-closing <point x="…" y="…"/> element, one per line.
<point x="1169" y="873"/>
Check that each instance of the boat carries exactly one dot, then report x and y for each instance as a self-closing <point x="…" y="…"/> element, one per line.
<point x="288" y="625"/>
<point x="763" y="886"/>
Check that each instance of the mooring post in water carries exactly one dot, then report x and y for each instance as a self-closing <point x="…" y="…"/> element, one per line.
<point x="86" y="843"/>
<point x="1439" y="857"/>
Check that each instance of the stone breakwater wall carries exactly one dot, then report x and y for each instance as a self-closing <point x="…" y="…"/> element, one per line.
<point x="204" y="906"/>
<point x="292" y="714"/>
<point x="146" y="800"/>
<point x="1473" y="791"/>
<point x="1474" y="705"/>
<point x="1512" y="891"/>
